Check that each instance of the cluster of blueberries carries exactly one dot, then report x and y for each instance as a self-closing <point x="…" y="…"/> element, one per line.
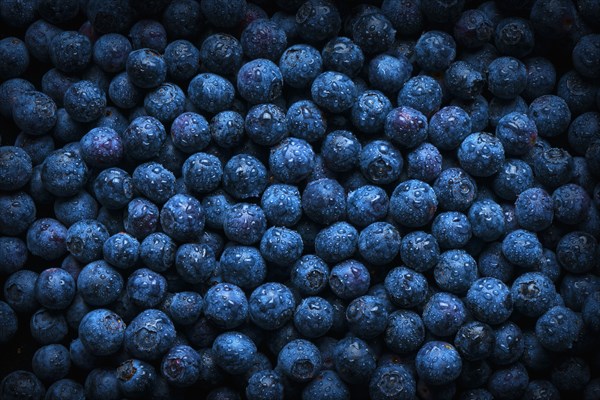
<point x="299" y="199"/>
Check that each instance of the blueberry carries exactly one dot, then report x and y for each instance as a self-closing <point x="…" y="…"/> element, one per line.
<point x="149" y="335"/>
<point x="406" y="287"/>
<point x="380" y="162"/>
<point x="419" y="251"/>
<point x="9" y="321"/>
<point x="349" y="279"/>
<point x="259" y="81"/>
<point x="146" y="68"/>
<point x="34" y="112"/>
<point x="475" y="341"/>
<point x="438" y="363"/>
<point x="21" y="384"/>
<point x="388" y="73"/>
<point x="367" y="317"/>
<point x="489" y="300"/>
<point x="576" y="252"/>
<point x="271" y="305"/>
<point x="541" y="78"/>
<point x="487" y="220"/>
<point x="70" y="51"/>
<point x="343" y="55"/>
<point x="334" y="91"/>
<point x="234" y="352"/>
<point x="392" y="381"/>
<point x="435" y="50"/>
<point x="244" y="176"/>
<point x="54" y="289"/>
<point x="146" y="288"/>
<point x="507" y="77"/>
<point x="85" y="239"/>
<point x="514" y="177"/>
<point x="318" y="20"/>
<point x="182" y="217"/>
<point x="449" y="127"/>
<point x="65" y="389"/>
<point x="309" y="275"/>
<point x="508" y="344"/>
<point x="354" y="360"/>
<point x="423" y="93"/>
<point x="313" y="317"/>
<point x="405" y="331"/>
<point x="102" y="332"/>
<point x="443" y="314"/>
<point x="324" y="201"/>
<point x="481" y="154"/>
<point x="281" y="246"/>
<point x="210" y="93"/>
<point x="576" y="92"/>
<point x="508" y="382"/>
<point x="455" y="189"/>
<point x="451" y="229"/>
<point x="243" y="266"/>
<point x="534" y="209"/>
<point x="46" y="238"/>
<point x="136" y="378"/>
<point x="226" y="305"/>
<point x="19" y="291"/>
<point x="373" y="32"/>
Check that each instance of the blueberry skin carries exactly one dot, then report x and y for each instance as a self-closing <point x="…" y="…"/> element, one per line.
<point x="369" y="111"/>
<point x="113" y="188"/>
<point x="551" y="115"/>
<point x="10" y="91"/>
<point x="85" y="239"/>
<point x="102" y="147"/>
<point x="226" y="306"/>
<point x="367" y="317"/>
<point x="443" y="314"/>
<point x="336" y="243"/>
<point x="514" y="37"/>
<point x="354" y="360"/>
<point x="576" y="92"/>
<point x="392" y="381"/>
<point x="305" y="120"/>
<point x="182" y="217"/>
<point x="184" y="308"/>
<point x="65" y="389"/>
<point x="533" y="294"/>
<point x="438" y="363"/>
<point x="35" y="113"/>
<point x="449" y="127"/>
<point x="282" y="205"/>
<point x="489" y="300"/>
<point x="419" y="251"/>
<point x="405" y="332"/>
<point x="513" y="178"/>
<point x="265" y="124"/>
<point x="234" y="352"/>
<point x="102" y="383"/>
<point x="334" y="91"/>
<point x="263" y="38"/>
<point x="576" y="252"/>
<point x="507" y="77"/>
<point x="590" y="311"/>
<point x="455" y="189"/>
<point x="281" y="246"/>
<point x="202" y="172"/>
<point x="64" y="173"/>
<point x="424" y="163"/>
<point x="341" y="150"/>
<point x="223" y="14"/>
<point x="48" y="326"/>
<point x="271" y="305"/>
<point x="379" y="243"/>
<point x="422" y="93"/>
<point x="534" y="209"/>
<point x="259" y="81"/>
<point x="406" y="287"/>
<point x="318" y="20"/>
<point x="149" y="335"/>
<point x="55" y="289"/>
<point x="46" y="238"/>
<point x="349" y="279"/>
<point x="557" y="329"/>
<point x="487" y="220"/>
<point x="154" y="181"/>
<point x="508" y="382"/>
<point x="366" y="205"/>
<point x="324" y="201"/>
<point x="143" y="138"/>
<point x="265" y="384"/>
<point x="299" y="360"/>
<point x="481" y="154"/>
<point x="244" y="176"/>
<point x="182" y="59"/>
<point x="180" y="366"/>
<point x="221" y="54"/>
<point x="475" y="341"/>
<point x="37" y="147"/>
<point x="541" y="78"/>
<point x="571" y="204"/>
<point x="102" y="332"/>
<point x="388" y="73"/>
<point x="136" y="378"/>
<point x="19" y="212"/>
<point x="99" y="284"/>
<point x="292" y="160"/>
<point x="70" y="51"/>
<point x="243" y="266"/>
<point x="146" y="68"/>
<point x="110" y="52"/>
<point x="245" y="223"/>
<point x="343" y="55"/>
<point x="21" y="384"/>
<point x="38" y="37"/>
<point x="373" y="32"/>
<point x="508" y="344"/>
<point x="123" y="93"/>
<point x="586" y="56"/>
<point x="406" y="127"/>
<point x="413" y="203"/>
<point x="13" y="254"/>
<point x="165" y="102"/>
<point x="463" y="81"/>
<point x="434" y="51"/>
<point x="451" y="229"/>
<point x="517" y="133"/>
<point x="478" y="110"/>
<point x="19" y="291"/>
<point x="227" y="129"/>
<point x="313" y="317"/>
<point x="211" y="93"/>
<point x="146" y="288"/>
<point x="10" y="323"/>
<point x="380" y="162"/>
<point x="455" y="271"/>
<point x="309" y="275"/>
<point x="522" y="248"/>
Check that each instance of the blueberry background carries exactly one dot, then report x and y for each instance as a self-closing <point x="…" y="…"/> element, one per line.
<point x="19" y="351"/>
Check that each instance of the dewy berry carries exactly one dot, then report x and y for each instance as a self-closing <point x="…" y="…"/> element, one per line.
<point x="299" y="199"/>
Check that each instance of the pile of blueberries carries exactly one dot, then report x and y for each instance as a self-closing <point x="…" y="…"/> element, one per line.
<point x="299" y="199"/>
